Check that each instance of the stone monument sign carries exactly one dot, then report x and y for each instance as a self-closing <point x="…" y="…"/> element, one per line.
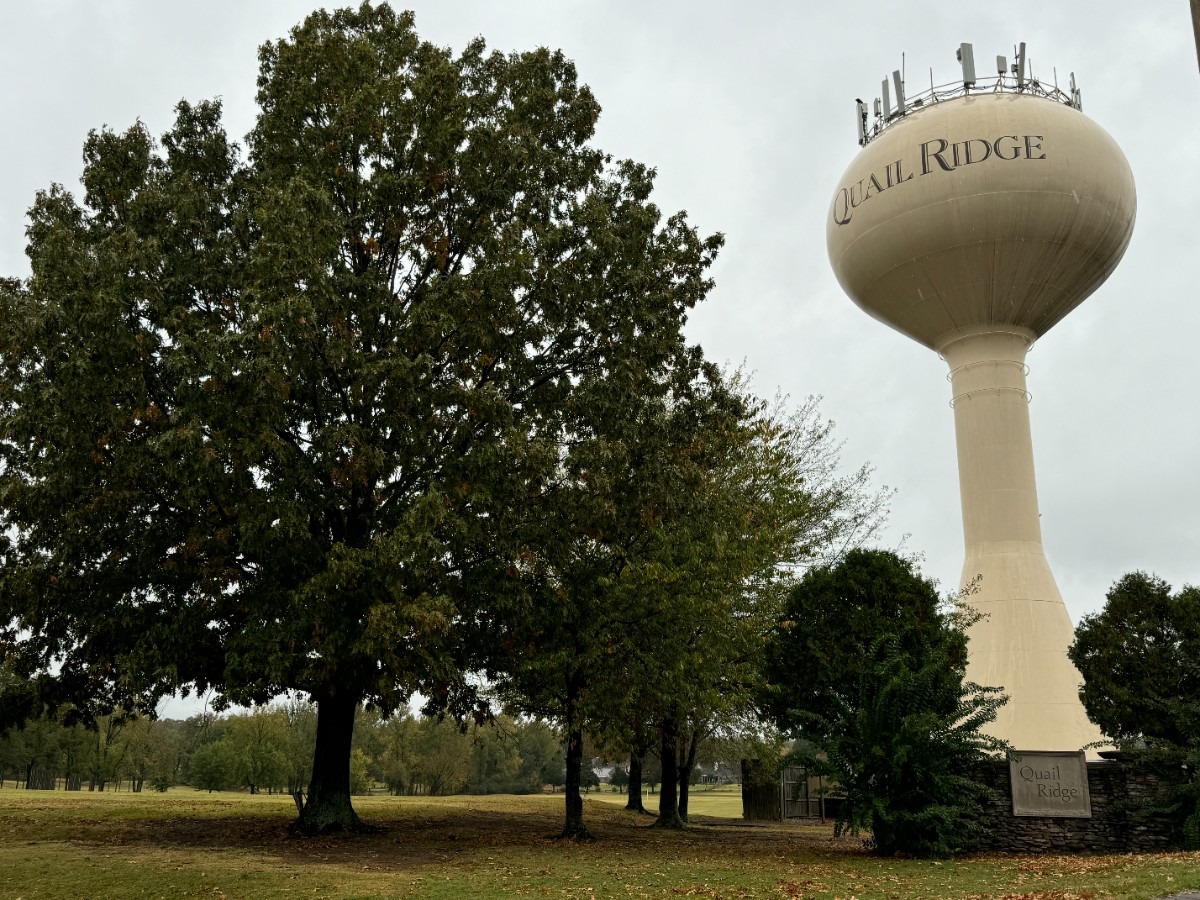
<point x="1049" y="783"/>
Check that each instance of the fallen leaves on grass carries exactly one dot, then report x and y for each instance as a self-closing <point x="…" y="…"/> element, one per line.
<point x="794" y="890"/>
<point x="489" y="847"/>
<point x="1057" y="866"/>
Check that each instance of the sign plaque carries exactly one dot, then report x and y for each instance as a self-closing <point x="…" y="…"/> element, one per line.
<point x="1049" y="783"/>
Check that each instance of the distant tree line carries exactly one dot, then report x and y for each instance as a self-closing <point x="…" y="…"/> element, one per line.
<point x="269" y="750"/>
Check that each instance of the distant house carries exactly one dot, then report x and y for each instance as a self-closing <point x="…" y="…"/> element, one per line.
<point x="604" y="770"/>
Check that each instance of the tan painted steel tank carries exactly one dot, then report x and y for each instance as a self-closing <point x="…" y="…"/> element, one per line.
<point x="973" y="225"/>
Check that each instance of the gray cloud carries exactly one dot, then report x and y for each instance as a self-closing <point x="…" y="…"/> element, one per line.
<point x="746" y="111"/>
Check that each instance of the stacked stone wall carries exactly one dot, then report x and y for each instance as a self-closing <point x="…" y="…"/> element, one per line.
<point x="1123" y="817"/>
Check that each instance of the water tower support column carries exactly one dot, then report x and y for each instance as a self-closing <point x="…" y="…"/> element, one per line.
<point x="1020" y="644"/>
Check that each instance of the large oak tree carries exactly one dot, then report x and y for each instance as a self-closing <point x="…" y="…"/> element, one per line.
<point x="279" y="420"/>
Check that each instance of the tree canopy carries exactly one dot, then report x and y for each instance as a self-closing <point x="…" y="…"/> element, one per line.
<point x="286" y="419"/>
<point x="1140" y="661"/>
<point x="865" y="669"/>
<point x="677" y="520"/>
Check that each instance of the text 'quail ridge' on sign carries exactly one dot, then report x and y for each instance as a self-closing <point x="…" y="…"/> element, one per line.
<point x="937" y="155"/>
<point x="1050" y="783"/>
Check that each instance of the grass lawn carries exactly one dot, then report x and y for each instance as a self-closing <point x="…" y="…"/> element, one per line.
<point x="724" y="802"/>
<point x="189" y="844"/>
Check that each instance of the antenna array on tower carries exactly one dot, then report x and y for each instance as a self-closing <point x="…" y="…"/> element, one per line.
<point x="1015" y="79"/>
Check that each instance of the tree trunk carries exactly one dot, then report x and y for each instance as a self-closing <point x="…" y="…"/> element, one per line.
<point x="327" y="808"/>
<point x="634" y="800"/>
<point x="668" y="799"/>
<point x="686" y="765"/>
<point x="1196" y="25"/>
<point x="574" y="827"/>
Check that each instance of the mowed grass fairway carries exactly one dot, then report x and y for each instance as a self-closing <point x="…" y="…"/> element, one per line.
<point x="723" y="802"/>
<point x="189" y="844"/>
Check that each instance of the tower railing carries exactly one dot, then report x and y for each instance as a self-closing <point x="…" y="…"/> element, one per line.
<point x="998" y="84"/>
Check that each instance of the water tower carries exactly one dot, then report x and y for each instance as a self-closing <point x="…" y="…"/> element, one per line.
<point x="975" y="217"/>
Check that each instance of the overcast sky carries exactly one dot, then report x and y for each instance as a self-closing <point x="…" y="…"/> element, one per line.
<point x="746" y="110"/>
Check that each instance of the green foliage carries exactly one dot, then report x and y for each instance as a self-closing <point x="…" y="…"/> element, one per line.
<point x="396" y="754"/>
<point x="678" y="510"/>
<point x="54" y="749"/>
<point x="18" y="702"/>
<point x="588" y="778"/>
<point x="435" y="756"/>
<point x="865" y="668"/>
<point x="541" y="751"/>
<point x="213" y="767"/>
<point x="39" y="744"/>
<point x="297" y="420"/>
<point x="651" y="772"/>
<point x="258" y="747"/>
<point x="360" y="775"/>
<point x="441" y="756"/>
<point x="301" y="740"/>
<point x="151" y="753"/>
<point x="249" y="752"/>
<point x="619" y="778"/>
<point x="495" y="758"/>
<point x="1140" y="661"/>
<point x="554" y="772"/>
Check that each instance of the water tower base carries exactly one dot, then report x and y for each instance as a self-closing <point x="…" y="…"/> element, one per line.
<point x="1020" y="645"/>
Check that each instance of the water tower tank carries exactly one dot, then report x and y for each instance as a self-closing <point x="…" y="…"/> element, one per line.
<point x="975" y="218"/>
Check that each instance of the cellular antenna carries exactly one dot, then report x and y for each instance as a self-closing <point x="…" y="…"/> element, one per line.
<point x="1019" y="66"/>
<point x="966" y="56"/>
<point x="899" y="92"/>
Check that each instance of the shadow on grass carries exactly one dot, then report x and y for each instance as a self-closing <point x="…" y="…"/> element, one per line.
<point x="409" y="833"/>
